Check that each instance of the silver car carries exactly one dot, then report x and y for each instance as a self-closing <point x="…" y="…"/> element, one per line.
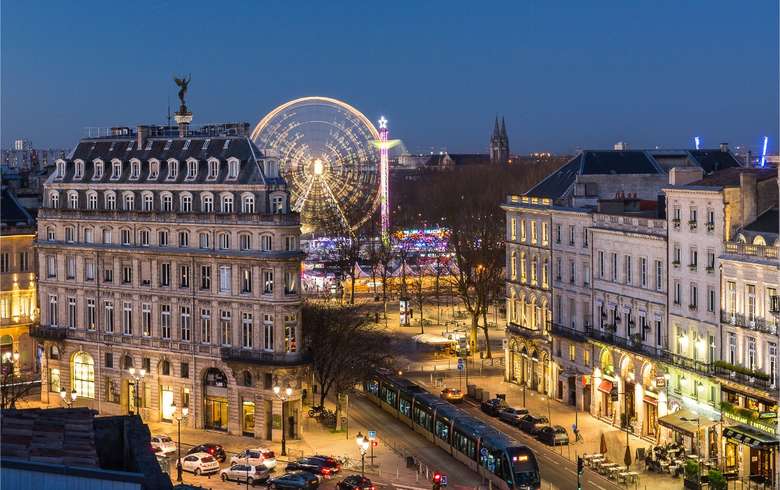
<point x="245" y="473"/>
<point x="512" y="415"/>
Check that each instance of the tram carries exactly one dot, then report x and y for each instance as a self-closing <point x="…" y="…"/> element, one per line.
<point x="504" y="461"/>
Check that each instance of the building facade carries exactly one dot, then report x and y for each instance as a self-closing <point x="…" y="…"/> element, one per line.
<point x="174" y="253"/>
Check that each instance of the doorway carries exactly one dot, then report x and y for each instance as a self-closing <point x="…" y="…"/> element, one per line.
<point x="167" y="406"/>
<point x="248" y="418"/>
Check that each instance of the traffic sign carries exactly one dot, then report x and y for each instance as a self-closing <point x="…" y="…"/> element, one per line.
<point x="460" y="364"/>
<point x="444" y="480"/>
<point x="483" y="451"/>
<point x="371" y="435"/>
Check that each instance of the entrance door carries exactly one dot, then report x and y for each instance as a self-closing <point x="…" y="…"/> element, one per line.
<point x="131" y="396"/>
<point x="216" y="413"/>
<point x="248" y="418"/>
<point x="166" y="404"/>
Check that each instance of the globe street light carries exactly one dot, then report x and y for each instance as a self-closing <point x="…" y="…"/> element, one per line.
<point x="283" y="397"/>
<point x="363" y="444"/>
<point x="68" y="400"/>
<point x="138" y="376"/>
<point x="185" y="410"/>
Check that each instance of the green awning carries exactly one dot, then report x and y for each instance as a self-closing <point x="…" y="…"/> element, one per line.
<point x="750" y="436"/>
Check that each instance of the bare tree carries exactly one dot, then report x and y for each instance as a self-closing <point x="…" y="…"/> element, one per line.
<point x="13" y="387"/>
<point x="343" y="346"/>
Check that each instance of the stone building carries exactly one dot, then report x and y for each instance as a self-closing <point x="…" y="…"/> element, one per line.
<point x="18" y="296"/>
<point x="173" y="252"/>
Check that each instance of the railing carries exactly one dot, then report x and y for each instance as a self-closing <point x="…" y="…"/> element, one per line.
<point x="765" y="251"/>
<point x="258" y="357"/>
<point x="568" y="332"/>
<point x="632" y="344"/>
<point x="688" y="363"/>
<point x="744" y="379"/>
<point x="48" y="333"/>
<point x="169" y="217"/>
<point x="741" y="320"/>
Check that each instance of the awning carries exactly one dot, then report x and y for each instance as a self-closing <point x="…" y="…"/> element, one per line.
<point x="688" y="426"/>
<point x="605" y="386"/>
<point x="651" y="400"/>
<point x="750" y="436"/>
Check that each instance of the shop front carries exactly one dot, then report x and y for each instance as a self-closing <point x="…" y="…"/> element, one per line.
<point x="752" y="453"/>
<point x="690" y="429"/>
<point x="248" y="418"/>
<point x="215" y="402"/>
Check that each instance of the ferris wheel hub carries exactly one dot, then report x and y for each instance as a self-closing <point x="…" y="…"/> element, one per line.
<point x="319" y="168"/>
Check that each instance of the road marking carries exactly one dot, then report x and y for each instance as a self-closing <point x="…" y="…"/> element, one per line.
<point x="595" y="485"/>
<point x="405" y="487"/>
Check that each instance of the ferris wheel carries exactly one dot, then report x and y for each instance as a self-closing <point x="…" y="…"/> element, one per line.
<point x="330" y="156"/>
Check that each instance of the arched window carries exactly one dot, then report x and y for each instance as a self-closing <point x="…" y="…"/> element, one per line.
<point x="215" y="377"/>
<point x="192" y="169"/>
<point x="173" y="169"/>
<point x="148" y="201"/>
<point x="166" y="202"/>
<point x="128" y="362"/>
<point x="213" y="169"/>
<point x="97" y="172"/>
<point x="227" y="203"/>
<point x="92" y="201"/>
<point x="84" y="375"/>
<point x="116" y="169"/>
<point x="247" y="203"/>
<point x="109" y="200"/>
<point x="60" y="170"/>
<point x="232" y="169"/>
<point x="154" y="169"/>
<point x="203" y="240"/>
<point x="207" y="203"/>
<point x="73" y="200"/>
<point x="54" y="199"/>
<point x="135" y="169"/>
<point x="165" y="367"/>
<point x="129" y="201"/>
<point x="224" y="241"/>
<point x="50" y="234"/>
<point x="759" y="240"/>
<point x="185" y="202"/>
<point x="247" y="378"/>
<point x="78" y="172"/>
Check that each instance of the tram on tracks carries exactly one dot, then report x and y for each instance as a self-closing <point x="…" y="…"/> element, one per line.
<point x="507" y="463"/>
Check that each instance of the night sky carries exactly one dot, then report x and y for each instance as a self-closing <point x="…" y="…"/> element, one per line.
<point x="565" y="74"/>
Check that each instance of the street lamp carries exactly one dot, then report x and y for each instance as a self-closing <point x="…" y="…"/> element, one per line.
<point x="137" y="377"/>
<point x="283" y="397"/>
<point x="68" y="400"/>
<point x="363" y="444"/>
<point x="698" y="445"/>
<point x="185" y="410"/>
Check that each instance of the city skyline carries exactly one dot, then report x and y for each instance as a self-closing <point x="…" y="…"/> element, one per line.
<point x="564" y="76"/>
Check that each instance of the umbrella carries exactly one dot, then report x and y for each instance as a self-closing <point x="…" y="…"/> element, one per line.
<point x="627" y="458"/>
<point x="603" y="448"/>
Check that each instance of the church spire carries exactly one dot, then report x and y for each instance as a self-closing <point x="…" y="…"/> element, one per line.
<point x="503" y="130"/>
<point x="496" y="132"/>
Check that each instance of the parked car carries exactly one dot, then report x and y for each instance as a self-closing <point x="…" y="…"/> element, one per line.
<point x="245" y="473"/>
<point x="213" y="449"/>
<point x="531" y="423"/>
<point x="164" y="443"/>
<point x="294" y="480"/>
<point x="452" y="395"/>
<point x="317" y="466"/>
<point x="355" y="482"/>
<point x="512" y="415"/>
<point x="553" y="435"/>
<point x="199" y="463"/>
<point x="493" y="406"/>
<point x="329" y="462"/>
<point x="255" y="456"/>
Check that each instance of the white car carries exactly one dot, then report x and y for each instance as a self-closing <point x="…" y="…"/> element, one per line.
<point x="245" y="473"/>
<point x="199" y="463"/>
<point x="164" y="443"/>
<point x="255" y="456"/>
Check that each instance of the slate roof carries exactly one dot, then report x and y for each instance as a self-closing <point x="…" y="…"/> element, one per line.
<point x="12" y="213"/>
<point x="730" y="177"/>
<point x="624" y="162"/>
<point x="766" y="223"/>
<point x="162" y="149"/>
<point x="54" y="436"/>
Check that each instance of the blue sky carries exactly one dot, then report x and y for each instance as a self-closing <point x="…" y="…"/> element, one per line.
<point x="565" y="74"/>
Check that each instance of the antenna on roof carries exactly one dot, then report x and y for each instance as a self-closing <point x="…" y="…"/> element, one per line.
<point x="169" y="110"/>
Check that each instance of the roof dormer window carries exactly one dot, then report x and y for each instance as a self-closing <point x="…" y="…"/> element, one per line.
<point x="227" y="143"/>
<point x="154" y="169"/>
<point x="60" y="170"/>
<point x="148" y="145"/>
<point x="97" y="174"/>
<point x="116" y="170"/>
<point x="206" y="144"/>
<point x="173" y="169"/>
<point x="213" y="170"/>
<point x="130" y="146"/>
<point x="186" y="145"/>
<point x="192" y="169"/>
<point x="168" y="145"/>
<point x="232" y="169"/>
<point x="78" y="172"/>
<point x="135" y="169"/>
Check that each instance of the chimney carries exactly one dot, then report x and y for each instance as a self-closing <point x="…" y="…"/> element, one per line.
<point x="724" y="147"/>
<point x="685" y="175"/>
<point x="748" y="188"/>
<point x="141" y="134"/>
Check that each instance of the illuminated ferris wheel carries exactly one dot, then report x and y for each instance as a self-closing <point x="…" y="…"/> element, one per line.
<point x="332" y="158"/>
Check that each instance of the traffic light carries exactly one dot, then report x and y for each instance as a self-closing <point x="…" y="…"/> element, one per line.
<point x="436" y="480"/>
<point x="580" y="465"/>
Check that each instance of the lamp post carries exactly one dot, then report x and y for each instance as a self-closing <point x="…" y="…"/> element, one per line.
<point x="363" y="444"/>
<point x="283" y="397"/>
<point x="698" y="445"/>
<point x="184" y="412"/>
<point x="66" y="399"/>
<point x="137" y="377"/>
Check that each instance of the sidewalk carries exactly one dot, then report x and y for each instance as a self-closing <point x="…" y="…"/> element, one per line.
<point x="590" y="428"/>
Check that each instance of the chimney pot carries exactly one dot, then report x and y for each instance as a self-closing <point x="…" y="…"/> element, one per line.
<point x="724" y="147"/>
<point x="142" y="134"/>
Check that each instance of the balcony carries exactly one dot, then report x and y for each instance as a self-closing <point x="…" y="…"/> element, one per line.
<point x="692" y="224"/>
<point x="568" y="332"/>
<point x="676" y="223"/>
<point x="168" y="217"/>
<point x="263" y="358"/>
<point x="710" y="226"/>
<point x="677" y="360"/>
<point x="528" y="332"/>
<point x="762" y="251"/>
<point x="633" y="344"/>
<point x="755" y="379"/>
<point x="48" y="333"/>
<point x="757" y="324"/>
